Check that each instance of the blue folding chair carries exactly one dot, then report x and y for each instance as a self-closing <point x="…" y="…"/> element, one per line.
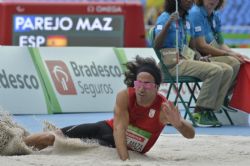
<point x="182" y="80"/>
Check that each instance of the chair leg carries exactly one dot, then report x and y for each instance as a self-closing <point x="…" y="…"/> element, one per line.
<point x="179" y="89"/>
<point x="192" y="95"/>
<point x="224" y="109"/>
<point x="187" y="111"/>
<point x="169" y="90"/>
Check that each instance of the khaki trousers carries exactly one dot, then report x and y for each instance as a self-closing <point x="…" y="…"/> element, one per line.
<point x="234" y="63"/>
<point x="216" y="79"/>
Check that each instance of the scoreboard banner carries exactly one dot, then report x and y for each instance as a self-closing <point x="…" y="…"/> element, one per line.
<point x="61" y="23"/>
<point x="73" y="30"/>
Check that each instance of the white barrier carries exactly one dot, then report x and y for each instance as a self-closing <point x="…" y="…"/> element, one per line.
<point x="76" y="79"/>
<point x="84" y="79"/>
<point x="244" y="51"/>
<point x="20" y="87"/>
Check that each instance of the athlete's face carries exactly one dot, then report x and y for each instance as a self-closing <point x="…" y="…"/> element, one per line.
<point x="145" y="89"/>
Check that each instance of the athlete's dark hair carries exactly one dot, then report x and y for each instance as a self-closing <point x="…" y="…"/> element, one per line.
<point x="141" y="65"/>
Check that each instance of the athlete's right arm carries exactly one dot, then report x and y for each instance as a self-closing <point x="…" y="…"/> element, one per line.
<point x="121" y="121"/>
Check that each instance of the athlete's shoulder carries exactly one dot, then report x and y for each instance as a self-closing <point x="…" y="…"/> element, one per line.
<point x="161" y="98"/>
<point x="123" y="93"/>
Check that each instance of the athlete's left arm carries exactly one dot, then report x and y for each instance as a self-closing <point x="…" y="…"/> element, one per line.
<point x="186" y="129"/>
<point x="171" y="114"/>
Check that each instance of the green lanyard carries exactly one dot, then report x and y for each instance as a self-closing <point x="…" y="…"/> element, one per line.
<point x="217" y="36"/>
<point x="183" y="33"/>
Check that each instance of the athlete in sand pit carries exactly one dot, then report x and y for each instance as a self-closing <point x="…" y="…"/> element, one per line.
<point x="140" y="114"/>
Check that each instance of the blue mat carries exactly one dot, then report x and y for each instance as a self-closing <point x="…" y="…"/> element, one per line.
<point x="34" y="123"/>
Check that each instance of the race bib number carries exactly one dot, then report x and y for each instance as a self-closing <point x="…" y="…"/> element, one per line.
<point x="188" y="53"/>
<point x="137" y="138"/>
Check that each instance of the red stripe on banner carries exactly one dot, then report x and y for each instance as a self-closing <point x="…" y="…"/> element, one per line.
<point x="241" y="94"/>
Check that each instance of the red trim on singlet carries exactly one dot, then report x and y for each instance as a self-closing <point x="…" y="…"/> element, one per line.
<point x="139" y="117"/>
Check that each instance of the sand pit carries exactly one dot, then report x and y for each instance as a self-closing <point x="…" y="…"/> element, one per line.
<point x="169" y="150"/>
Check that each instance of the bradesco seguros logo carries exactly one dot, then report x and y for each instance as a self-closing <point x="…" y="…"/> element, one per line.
<point x="61" y="77"/>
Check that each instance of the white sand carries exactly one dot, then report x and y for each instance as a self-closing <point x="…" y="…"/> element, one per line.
<point x="169" y="150"/>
